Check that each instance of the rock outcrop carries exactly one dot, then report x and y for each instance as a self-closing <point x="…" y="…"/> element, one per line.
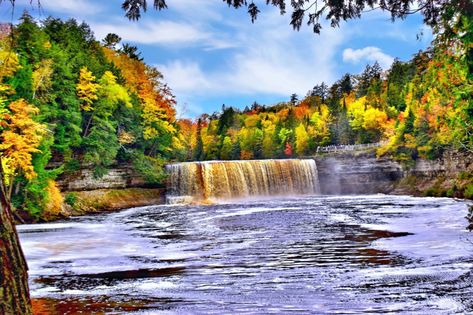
<point x="115" y="178"/>
<point x="357" y="173"/>
<point x="363" y="172"/>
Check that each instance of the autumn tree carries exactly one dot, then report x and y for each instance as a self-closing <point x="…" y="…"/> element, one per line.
<point x="269" y="145"/>
<point x="319" y="127"/>
<point x="87" y="89"/>
<point x="20" y="136"/>
<point x="302" y="139"/>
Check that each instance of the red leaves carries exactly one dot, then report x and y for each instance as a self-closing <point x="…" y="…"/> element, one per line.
<point x="288" y="150"/>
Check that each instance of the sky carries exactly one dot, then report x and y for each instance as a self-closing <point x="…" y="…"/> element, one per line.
<point x="211" y="54"/>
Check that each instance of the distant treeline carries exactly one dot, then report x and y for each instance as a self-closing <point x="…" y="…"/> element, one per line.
<point x="419" y="108"/>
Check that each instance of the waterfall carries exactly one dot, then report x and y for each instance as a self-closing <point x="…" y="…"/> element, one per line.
<point x="233" y="179"/>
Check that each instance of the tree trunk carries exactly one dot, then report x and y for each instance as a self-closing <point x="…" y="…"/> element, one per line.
<point x="14" y="292"/>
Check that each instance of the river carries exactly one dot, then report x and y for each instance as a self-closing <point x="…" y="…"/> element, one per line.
<point x="311" y="254"/>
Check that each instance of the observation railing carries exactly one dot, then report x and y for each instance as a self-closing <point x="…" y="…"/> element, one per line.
<point x="348" y="147"/>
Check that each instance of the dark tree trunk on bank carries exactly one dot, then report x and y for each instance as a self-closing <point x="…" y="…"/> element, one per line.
<point x="14" y="292"/>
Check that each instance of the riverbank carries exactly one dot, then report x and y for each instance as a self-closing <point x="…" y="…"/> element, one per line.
<point x="81" y="202"/>
<point x="340" y="173"/>
<point x="78" y="203"/>
<point x="450" y="175"/>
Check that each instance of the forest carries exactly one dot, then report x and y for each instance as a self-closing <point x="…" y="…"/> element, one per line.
<point x="68" y="100"/>
<point x="417" y="108"/>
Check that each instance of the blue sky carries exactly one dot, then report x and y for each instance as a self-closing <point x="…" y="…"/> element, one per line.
<point x="211" y="54"/>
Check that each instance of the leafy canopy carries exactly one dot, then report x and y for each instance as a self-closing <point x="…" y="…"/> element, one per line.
<point x="312" y="12"/>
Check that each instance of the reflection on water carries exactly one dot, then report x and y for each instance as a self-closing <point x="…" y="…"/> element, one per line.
<point x="357" y="254"/>
<point x="71" y="306"/>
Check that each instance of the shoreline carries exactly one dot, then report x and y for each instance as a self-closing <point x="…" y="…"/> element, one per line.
<point x="115" y="200"/>
<point x="451" y="175"/>
<point x="79" y="203"/>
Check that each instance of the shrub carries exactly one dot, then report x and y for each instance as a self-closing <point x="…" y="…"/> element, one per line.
<point x="54" y="200"/>
<point x="468" y="193"/>
<point x="70" y="199"/>
<point x="431" y="192"/>
<point x="152" y="169"/>
<point x="451" y="192"/>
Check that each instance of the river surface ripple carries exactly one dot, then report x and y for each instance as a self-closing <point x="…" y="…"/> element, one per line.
<point x="313" y="254"/>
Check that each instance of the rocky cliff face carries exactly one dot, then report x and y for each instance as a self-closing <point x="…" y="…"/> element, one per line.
<point x="450" y="176"/>
<point x="120" y="188"/>
<point x="357" y="173"/>
<point x="352" y="173"/>
<point x="118" y="177"/>
<point x="339" y="173"/>
<point x="450" y="164"/>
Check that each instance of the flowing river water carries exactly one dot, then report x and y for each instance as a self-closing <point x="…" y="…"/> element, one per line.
<point x="310" y="254"/>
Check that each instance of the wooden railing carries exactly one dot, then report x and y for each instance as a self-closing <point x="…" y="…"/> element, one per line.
<point x="348" y="148"/>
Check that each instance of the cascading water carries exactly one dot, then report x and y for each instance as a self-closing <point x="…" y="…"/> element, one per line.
<point x="233" y="179"/>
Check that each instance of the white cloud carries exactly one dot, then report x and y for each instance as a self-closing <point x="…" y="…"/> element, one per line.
<point x="185" y="76"/>
<point x="162" y="33"/>
<point x="66" y="6"/>
<point x="271" y="59"/>
<point x="368" y="54"/>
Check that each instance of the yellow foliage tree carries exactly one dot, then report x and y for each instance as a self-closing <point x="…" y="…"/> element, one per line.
<point x="55" y="200"/>
<point x="269" y="131"/>
<point x="42" y="76"/>
<point x="112" y="91"/>
<point x="155" y="121"/>
<point x="374" y="119"/>
<point x="20" y="137"/>
<point x="320" y="121"/>
<point x="356" y="110"/>
<point x="302" y="139"/>
<point x="125" y="138"/>
<point x="8" y="61"/>
<point x="87" y="89"/>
